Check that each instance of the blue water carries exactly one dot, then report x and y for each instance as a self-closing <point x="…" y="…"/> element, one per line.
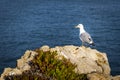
<point x="29" y="24"/>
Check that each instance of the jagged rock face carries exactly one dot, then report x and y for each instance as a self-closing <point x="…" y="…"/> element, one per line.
<point x="89" y="61"/>
<point x="23" y="64"/>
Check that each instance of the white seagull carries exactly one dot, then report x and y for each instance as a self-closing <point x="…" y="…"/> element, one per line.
<point x="84" y="36"/>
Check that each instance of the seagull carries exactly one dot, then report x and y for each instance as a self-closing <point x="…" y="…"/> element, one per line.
<point x="84" y="36"/>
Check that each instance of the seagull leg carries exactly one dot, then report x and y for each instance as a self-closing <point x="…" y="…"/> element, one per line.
<point x="82" y="44"/>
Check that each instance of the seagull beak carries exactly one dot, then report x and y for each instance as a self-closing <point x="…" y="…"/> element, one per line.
<point x="76" y="27"/>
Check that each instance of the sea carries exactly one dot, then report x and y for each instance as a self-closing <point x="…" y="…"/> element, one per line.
<point x="30" y="24"/>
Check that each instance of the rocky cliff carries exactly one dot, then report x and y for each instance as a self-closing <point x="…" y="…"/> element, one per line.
<point x="88" y="61"/>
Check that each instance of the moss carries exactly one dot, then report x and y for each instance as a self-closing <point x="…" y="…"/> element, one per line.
<point x="46" y="66"/>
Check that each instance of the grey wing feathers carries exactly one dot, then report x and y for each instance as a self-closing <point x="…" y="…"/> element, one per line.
<point x="85" y="37"/>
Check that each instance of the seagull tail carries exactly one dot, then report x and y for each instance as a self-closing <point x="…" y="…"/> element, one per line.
<point x="92" y="44"/>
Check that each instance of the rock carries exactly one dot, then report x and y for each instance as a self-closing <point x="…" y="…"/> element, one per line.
<point x="89" y="61"/>
<point x="116" y="77"/>
<point x="10" y="72"/>
<point x="23" y="64"/>
<point x="45" y="48"/>
<point x="98" y="76"/>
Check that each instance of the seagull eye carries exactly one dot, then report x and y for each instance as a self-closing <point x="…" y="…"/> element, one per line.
<point x="89" y="39"/>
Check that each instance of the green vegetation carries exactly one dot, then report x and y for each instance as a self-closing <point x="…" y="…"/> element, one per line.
<point x="46" y="66"/>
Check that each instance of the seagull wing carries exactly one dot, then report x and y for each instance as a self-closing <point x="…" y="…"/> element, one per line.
<point x="85" y="37"/>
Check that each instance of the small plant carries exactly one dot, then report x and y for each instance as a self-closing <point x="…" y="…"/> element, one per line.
<point x="56" y="69"/>
<point x="45" y="66"/>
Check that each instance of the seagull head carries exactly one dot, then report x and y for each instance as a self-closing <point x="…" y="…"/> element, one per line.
<point x="79" y="26"/>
